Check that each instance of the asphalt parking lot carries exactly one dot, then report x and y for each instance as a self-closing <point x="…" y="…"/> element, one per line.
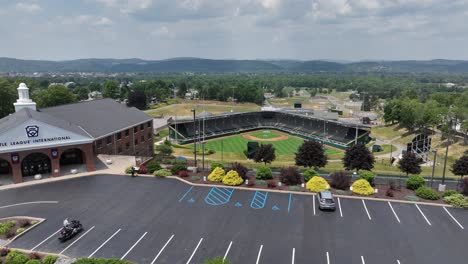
<point x="150" y="220"/>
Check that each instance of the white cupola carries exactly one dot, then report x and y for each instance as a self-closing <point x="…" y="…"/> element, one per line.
<point x="23" y="99"/>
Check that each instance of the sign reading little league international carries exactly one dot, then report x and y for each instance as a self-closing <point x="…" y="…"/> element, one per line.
<point x="35" y="134"/>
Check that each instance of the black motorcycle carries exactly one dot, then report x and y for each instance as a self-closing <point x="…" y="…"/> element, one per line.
<point x="70" y="230"/>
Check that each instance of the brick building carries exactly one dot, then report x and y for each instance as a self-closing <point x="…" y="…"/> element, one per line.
<point x="41" y="141"/>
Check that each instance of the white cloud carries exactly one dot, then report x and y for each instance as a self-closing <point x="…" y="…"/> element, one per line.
<point x="88" y="20"/>
<point x="161" y="31"/>
<point x="28" y="8"/>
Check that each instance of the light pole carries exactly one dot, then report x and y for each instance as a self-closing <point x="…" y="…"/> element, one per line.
<point x="195" y="141"/>
<point x="433" y="165"/>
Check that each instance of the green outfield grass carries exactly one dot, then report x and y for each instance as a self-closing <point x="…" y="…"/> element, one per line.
<point x="265" y="134"/>
<point x="234" y="147"/>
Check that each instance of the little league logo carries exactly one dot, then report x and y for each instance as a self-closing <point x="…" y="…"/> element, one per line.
<point x="32" y="131"/>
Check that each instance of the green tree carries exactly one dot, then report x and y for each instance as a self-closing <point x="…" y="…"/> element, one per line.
<point x="460" y="167"/>
<point x="137" y="99"/>
<point x="81" y="93"/>
<point x="409" y="164"/>
<point x="165" y="149"/>
<point x="8" y="96"/>
<point x="53" y="96"/>
<point x="111" y="90"/>
<point x="358" y="157"/>
<point x="95" y="86"/>
<point x="311" y="153"/>
<point x="265" y="154"/>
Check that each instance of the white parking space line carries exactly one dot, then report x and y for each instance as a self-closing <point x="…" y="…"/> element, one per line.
<point x="134" y="245"/>
<point x="227" y="251"/>
<point x="36" y="202"/>
<point x="293" y="255"/>
<point x="362" y="259"/>
<point x="398" y="261"/>
<point x="43" y="241"/>
<point x="195" y="250"/>
<point x="314" y="204"/>
<point x="328" y="258"/>
<point x="365" y="207"/>
<point x="78" y="239"/>
<point x="162" y="249"/>
<point x="105" y="242"/>
<point x="259" y="253"/>
<point x="396" y="216"/>
<point x="339" y="206"/>
<point x="429" y="223"/>
<point x="456" y="221"/>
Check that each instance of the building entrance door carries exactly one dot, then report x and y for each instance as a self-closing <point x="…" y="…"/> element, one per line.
<point x="35" y="163"/>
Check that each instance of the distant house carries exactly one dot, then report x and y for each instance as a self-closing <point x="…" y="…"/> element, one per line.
<point x="94" y="95"/>
<point x="449" y="84"/>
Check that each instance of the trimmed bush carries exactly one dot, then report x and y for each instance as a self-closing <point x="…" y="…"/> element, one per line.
<point x="152" y="166"/>
<point x="427" y="193"/>
<point x="449" y="193"/>
<point x="216" y="175"/>
<point x="162" y="173"/>
<point x="216" y="260"/>
<point x="183" y="174"/>
<point x="6" y="226"/>
<point x="414" y="182"/>
<point x="457" y="200"/>
<point x="33" y="261"/>
<point x="16" y="257"/>
<point x="20" y="230"/>
<point x="340" y="192"/>
<point x="142" y="169"/>
<point x="272" y="184"/>
<point x="290" y="176"/>
<point x="195" y="178"/>
<point x="340" y="180"/>
<point x="317" y="184"/>
<point x="216" y="164"/>
<point x="368" y="176"/>
<point x="49" y="259"/>
<point x="260" y="182"/>
<point x="178" y="167"/>
<point x="128" y="170"/>
<point x="241" y="169"/>
<point x="308" y="174"/>
<point x="411" y="198"/>
<point x="264" y="173"/>
<point x="362" y="187"/>
<point x="232" y="178"/>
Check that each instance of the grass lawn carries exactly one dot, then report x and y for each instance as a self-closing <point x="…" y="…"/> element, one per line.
<point x="386" y="150"/>
<point x="161" y="134"/>
<point x="266" y="134"/>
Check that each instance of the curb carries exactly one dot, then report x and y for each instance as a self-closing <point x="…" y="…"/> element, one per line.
<point x="40" y="221"/>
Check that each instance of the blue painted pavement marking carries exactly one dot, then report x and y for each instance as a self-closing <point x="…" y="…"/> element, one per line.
<point x="259" y="200"/>
<point x="238" y="204"/>
<point x="218" y="196"/>
<point x="187" y="192"/>
<point x="289" y="203"/>
<point x="191" y="200"/>
<point x="275" y="208"/>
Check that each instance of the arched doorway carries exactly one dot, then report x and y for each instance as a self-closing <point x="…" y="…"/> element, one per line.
<point x="71" y="157"/>
<point x="5" y="167"/>
<point x="35" y="163"/>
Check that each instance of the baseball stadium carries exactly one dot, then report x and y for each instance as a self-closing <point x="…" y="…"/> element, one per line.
<point x="232" y="132"/>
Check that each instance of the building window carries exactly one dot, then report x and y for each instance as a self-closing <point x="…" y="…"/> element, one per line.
<point x="149" y="123"/>
<point x="127" y="146"/>
<point x="135" y="129"/>
<point x="119" y="136"/>
<point x="109" y="140"/>
<point x="136" y="142"/>
<point x="127" y="132"/>
<point x="142" y="138"/>
<point x="142" y="126"/>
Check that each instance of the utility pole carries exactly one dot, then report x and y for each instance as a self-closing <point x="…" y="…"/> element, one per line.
<point x="433" y="165"/>
<point x="195" y="140"/>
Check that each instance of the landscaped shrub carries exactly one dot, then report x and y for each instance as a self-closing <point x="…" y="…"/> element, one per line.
<point x="368" y="176"/>
<point x="308" y="174"/>
<point x="411" y="198"/>
<point x="317" y="184"/>
<point x="183" y="174"/>
<point x="241" y="169"/>
<point x="449" y="192"/>
<point x="216" y="164"/>
<point x="5" y="226"/>
<point x="389" y="192"/>
<point x="10" y="234"/>
<point x="457" y="200"/>
<point x="260" y="182"/>
<point x="340" y="180"/>
<point x="340" y="192"/>
<point x="128" y="170"/>
<point x="414" y="182"/>
<point x="33" y="261"/>
<point x="4" y="251"/>
<point x="152" y="166"/>
<point x="362" y="187"/>
<point x="264" y="173"/>
<point x="232" y="178"/>
<point x="272" y="184"/>
<point x="294" y="188"/>
<point x="19" y="230"/>
<point x="162" y="173"/>
<point x="195" y="178"/>
<point x="290" y="176"/>
<point x="216" y="260"/>
<point x="24" y="222"/>
<point x="216" y="175"/>
<point x="100" y="261"/>
<point x="427" y="193"/>
<point x="179" y="166"/>
<point x="142" y="169"/>
<point x="16" y="257"/>
<point x="50" y="259"/>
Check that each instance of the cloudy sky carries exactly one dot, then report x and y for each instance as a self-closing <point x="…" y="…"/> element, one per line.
<point x="241" y="29"/>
